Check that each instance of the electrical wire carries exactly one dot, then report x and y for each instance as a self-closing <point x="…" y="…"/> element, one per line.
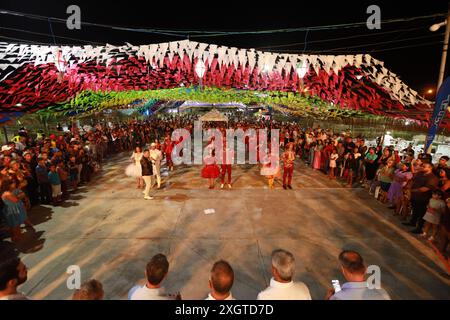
<point x="341" y="38"/>
<point x="341" y="49"/>
<point x="387" y="42"/>
<point x="206" y="33"/>
<point x="358" y="51"/>
<point x="23" y="40"/>
<point x="47" y="34"/>
<point x="318" y="28"/>
<point x="59" y="20"/>
<point x="412" y="46"/>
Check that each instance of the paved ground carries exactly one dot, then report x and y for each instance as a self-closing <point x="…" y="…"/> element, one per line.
<point x="110" y="232"/>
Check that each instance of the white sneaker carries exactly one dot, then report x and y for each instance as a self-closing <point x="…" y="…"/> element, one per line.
<point x="143" y="192"/>
<point x="221" y="186"/>
<point x="148" y="198"/>
<point x="229" y="186"/>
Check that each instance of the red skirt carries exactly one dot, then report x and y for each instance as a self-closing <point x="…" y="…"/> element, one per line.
<point x="210" y="171"/>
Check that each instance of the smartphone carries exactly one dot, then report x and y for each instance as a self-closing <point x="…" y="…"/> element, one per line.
<point x="336" y="285"/>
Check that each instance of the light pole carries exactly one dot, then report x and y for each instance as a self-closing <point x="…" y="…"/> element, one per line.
<point x="302" y="69"/>
<point x="433" y="28"/>
<point x="436" y="27"/>
<point x="200" y="70"/>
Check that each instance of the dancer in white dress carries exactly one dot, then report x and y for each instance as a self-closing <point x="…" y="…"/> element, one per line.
<point x="134" y="169"/>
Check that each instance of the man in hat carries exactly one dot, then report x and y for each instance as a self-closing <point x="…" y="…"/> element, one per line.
<point x="156" y="157"/>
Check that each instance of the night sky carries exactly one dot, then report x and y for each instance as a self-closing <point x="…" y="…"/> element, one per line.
<point x="417" y="66"/>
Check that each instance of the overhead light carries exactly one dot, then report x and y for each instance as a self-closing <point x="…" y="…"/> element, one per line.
<point x="435" y="27"/>
<point x="359" y="77"/>
<point x="19" y="105"/>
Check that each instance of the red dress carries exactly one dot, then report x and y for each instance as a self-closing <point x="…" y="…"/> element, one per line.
<point x="168" y="147"/>
<point x="210" y="170"/>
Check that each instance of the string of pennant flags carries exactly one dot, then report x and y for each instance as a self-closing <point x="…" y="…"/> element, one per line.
<point x="43" y="77"/>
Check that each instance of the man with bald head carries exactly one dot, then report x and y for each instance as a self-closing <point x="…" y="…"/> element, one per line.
<point x="221" y="281"/>
<point x="356" y="287"/>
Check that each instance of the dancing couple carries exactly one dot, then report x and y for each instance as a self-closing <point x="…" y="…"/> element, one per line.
<point x="146" y="165"/>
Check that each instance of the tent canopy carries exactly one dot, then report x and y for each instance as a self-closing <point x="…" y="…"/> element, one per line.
<point x="214" y="116"/>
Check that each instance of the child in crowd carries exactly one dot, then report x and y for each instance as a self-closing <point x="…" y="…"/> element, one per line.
<point x="350" y="167"/>
<point x="42" y="180"/>
<point x="333" y="158"/>
<point x="436" y="208"/>
<point x="73" y="172"/>
<point x="63" y="176"/>
<point x="55" y="181"/>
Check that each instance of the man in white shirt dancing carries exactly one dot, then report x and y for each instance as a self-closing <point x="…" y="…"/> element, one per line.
<point x="282" y="286"/>
<point x="156" y="157"/>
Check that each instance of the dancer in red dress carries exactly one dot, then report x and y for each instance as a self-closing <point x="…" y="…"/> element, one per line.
<point x="288" y="165"/>
<point x="210" y="171"/>
<point x="167" y="149"/>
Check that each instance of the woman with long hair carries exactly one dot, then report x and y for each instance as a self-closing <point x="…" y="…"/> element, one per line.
<point x="318" y="155"/>
<point x="386" y="178"/>
<point x="401" y="178"/>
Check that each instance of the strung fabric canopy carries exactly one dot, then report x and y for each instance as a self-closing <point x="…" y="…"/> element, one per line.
<point x="35" y="77"/>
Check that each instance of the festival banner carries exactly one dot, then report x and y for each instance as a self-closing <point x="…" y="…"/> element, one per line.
<point x="442" y="102"/>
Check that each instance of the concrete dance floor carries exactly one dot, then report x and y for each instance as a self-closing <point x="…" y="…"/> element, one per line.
<point x="108" y="230"/>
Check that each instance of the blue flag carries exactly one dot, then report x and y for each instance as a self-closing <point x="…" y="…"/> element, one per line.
<point x="442" y="101"/>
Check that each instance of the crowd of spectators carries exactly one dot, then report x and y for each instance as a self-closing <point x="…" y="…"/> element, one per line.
<point x="36" y="169"/>
<point x="220" y="281"/>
